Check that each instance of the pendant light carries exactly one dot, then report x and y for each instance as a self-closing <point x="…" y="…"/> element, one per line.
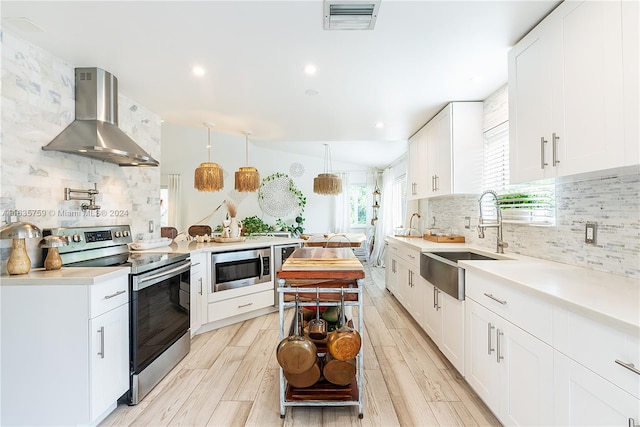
<point x="247" y="177"/>
<point x="208" y="176"/>
<point x="327" y="182"/>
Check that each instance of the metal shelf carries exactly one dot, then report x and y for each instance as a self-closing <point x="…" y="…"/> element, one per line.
<point x="355" y="398"/>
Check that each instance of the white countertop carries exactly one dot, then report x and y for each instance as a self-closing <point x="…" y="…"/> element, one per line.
<point x="249" y="243"/>
<point x="65" y="276"/>
<point x="608" y="297"/>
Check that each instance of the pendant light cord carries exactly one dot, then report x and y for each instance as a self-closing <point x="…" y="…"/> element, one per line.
<point x="209" y="139"/>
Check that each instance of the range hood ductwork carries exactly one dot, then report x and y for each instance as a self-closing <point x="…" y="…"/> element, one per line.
<point x="95" y="133"/>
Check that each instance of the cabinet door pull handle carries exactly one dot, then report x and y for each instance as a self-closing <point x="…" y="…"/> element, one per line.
<point x="200" y="280"/>
<point x="437" y="181"/>
<point x="498" y="352"/>
<point x="101" y="352"/>
<point x="555" y="149"/>
<point x="435" y="297"/>
<point x="114" y="294"/>
<point x="629" y="366"/>
<point x="411" y="256"/>
<point x="490" y="348"/>
<point x="245" y="305"/>
<point x="632" y="423"/>
<point x="495" y="299"/>
<point x="542" y="162"/>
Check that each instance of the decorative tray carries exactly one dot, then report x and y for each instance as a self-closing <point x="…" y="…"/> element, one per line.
<point x="228" y="239"/>
<point x="150" y="244"/>
<point x="443" y="239"/>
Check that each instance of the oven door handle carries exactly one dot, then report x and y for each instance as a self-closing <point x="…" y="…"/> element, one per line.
<point x="261" y="266"/>
<point x="180" y="269"/>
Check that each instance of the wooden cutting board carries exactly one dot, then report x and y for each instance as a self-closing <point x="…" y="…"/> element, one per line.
<point x="319" y="259"/>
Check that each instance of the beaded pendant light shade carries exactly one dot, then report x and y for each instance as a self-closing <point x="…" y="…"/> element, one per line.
<point x="208" y="176"/>
<point x="247" y="177"/>
<point x="327" y="182"/>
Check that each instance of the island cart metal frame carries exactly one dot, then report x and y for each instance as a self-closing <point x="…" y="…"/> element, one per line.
<point x="286" y="289"/>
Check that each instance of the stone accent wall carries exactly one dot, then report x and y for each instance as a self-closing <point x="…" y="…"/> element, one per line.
<point x="38" y="102"/>
<point x="610" y="198"/>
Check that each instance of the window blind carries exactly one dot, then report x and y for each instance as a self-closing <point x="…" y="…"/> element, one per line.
<point x="531" y="203"/>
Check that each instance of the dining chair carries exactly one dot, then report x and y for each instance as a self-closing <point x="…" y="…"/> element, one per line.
<point x="338" y="241"/>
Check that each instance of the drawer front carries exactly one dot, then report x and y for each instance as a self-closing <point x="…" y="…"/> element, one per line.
<point x="240" y="305"/>
<point x="108" y="295"/>
<point x="412" y="256"/>
<point x="520" y="308"/>
<point x="597" y="346"/>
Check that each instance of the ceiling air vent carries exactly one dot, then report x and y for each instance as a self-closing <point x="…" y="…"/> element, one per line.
<point x="350" y="14"/>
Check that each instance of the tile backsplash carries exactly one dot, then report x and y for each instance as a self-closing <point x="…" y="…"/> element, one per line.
<point x="38" y="102"/>
<point x="612" y="201"/>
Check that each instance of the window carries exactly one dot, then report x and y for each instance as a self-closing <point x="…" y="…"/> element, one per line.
<point x="531" y="203"/>
<point x="358" y="205"/>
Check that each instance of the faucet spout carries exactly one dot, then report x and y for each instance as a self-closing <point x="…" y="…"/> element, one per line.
<point x="483" y="223"/>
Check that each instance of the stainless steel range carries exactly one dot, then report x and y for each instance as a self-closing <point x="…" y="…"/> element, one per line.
<point x="158" y="298"/>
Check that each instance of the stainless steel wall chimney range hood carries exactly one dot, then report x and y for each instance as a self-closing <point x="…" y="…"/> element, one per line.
<point x="95" y="133"/>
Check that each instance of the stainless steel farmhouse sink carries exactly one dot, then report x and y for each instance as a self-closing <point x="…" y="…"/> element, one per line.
<point x="442" y="271"/>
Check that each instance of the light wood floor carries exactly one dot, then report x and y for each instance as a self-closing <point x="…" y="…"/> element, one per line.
<point x="231" y="378"/>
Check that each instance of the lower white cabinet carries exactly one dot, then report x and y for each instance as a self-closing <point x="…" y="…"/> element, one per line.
<point x="583" y="398"/>
<point x="444" y="323"/>
<point x="109" y="358"/>
<point x="198" y="292"/>
<point x="65" y="351"/>
<point x="510" y="369"/>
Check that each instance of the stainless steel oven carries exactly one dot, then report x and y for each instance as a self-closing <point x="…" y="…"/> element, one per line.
<point x="159" y="323"/>
<point x="230" y="270"/>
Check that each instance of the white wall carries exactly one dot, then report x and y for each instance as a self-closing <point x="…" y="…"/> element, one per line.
<point x="184" y="148"/>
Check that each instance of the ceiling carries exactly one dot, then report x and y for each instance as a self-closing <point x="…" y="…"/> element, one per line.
<point x="421" y="55"/>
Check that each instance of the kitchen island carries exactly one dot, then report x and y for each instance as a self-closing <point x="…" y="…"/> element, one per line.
<point x="321" y="277"/>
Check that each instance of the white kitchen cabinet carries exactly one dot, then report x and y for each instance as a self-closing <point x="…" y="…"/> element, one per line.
<point x="109" y="358"/>
<point x="455" y="150"/>
<point x="404" y="280"/>
<point x="510" y="369"/>
<point x="566" y="103"/>
<point x="444" y="323"/>
<point x="391" y="269"/>
<point x="417" y="165"/>
<point x="583" y="398"/>
<point x="199" y="288"/>
<point x="69" y="363"/>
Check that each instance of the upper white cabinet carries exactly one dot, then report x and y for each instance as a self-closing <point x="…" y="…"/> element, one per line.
<point x="455" y="150"/>
<point x="417" y="182"/>
<point x="569" y="109"/>
<point x="445" y="156"/>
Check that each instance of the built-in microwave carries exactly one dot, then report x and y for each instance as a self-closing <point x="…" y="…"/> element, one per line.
<point x="230" y="270"/>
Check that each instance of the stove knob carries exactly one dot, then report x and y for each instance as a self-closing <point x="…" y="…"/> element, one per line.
<point x="76" y="238"/>
<point x="125" y="233"/>
<point x="118" y="234"/>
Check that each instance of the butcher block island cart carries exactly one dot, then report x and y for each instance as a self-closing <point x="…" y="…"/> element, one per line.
<point x="322" y="277"/>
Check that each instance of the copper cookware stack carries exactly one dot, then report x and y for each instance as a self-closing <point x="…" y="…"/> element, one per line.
<point x="343" y="345"/>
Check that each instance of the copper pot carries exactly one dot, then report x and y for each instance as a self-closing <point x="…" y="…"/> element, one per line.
<point x="296" y="353"/>
<point x="307" y="378"/>
<point x="338" y="372"/>
<point x="344" y="343"/>
<point x="317" y="327"/>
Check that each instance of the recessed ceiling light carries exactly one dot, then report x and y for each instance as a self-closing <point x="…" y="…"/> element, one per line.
<point x="311" y="92"/>
<point x="379" y="125"/>
<point x="310" y="69"/>
<point x="198" y="71"/>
